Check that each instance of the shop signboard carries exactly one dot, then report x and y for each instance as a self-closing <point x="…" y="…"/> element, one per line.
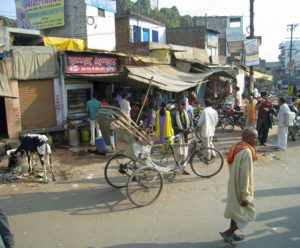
<point x="40" y="14"/>
<point x="251" y="50"/>
<point x="81" y="64"/>
<point x="108" y="5"/>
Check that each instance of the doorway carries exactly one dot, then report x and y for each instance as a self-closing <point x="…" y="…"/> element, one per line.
<point x="3" y="123"/>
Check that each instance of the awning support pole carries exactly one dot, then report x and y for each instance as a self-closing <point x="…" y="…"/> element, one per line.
<point x="144" y="102"/>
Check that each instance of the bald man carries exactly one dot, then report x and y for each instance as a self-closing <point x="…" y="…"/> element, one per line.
<point x="240" y="208"/>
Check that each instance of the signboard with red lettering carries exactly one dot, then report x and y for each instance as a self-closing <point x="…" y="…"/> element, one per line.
<point x="77" y="64"/>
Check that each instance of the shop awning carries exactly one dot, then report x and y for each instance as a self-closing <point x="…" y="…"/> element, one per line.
<point x="168" y="78"/>
<point x="5" y="90"/>
<point x="260" y="75"/>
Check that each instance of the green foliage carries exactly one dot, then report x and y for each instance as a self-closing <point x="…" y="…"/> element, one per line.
<point x="186" y="21"/>
<point x="169" y="16"/>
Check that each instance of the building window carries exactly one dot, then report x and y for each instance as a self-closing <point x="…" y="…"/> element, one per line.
<point x="136" y="33"/>
<point x="154" y="36"/>
<point x="235" y="22"/>
<point x="146" y="34"/>
<point x="101" y="12"/>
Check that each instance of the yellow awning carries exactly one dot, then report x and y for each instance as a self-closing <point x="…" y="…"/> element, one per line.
<point x="65" y="44"/>
<point x="259" y="75"/>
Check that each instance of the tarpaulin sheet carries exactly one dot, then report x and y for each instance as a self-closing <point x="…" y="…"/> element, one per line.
<point x="65" y="44"/>
<point x="167" y="77"/>
<point x="5" y="90"/>
<point x="34" y="62"/>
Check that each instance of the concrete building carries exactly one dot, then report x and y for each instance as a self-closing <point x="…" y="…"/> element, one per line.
<point x="81" y="19"/>
<point x="231" y="35"/>
<point x="290" y="58"/>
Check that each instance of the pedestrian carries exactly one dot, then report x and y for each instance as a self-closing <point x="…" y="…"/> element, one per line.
<point x="182" y="126"/>
<point x="6" y="236"/>
<point x="264" y="121"/>
<point x="238" y="99"/>
<point x="256" y="93"/>
<point x="135" y="110"/>
<point x="283" y="124"/>
<point x="240" y="200"/>
<point x="250" y="112"/>
<point x="164" y="125"/>
<point x="192" y="97"/>
<point x="207" y="123"/>
<point x="93" y="106"/>
<point x="125" y="105"/>
<point x="229" y="101"/>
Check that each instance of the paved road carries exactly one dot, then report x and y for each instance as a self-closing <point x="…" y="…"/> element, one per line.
<point x="188" y="213"/>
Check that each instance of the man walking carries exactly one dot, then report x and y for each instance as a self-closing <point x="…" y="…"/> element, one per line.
<point x="283" y="124"/>
<point x="240" y="208"/>
<point x="264" y="122"/>
<point x="125" y="106"/>
<point x="207" y="123"/>
<point x="93" y="106"/>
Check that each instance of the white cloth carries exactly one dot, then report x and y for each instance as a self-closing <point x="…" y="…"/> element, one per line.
<point x="239" y="99"/>
<point x="283" y="115"/>
<point x="207" y="121"/>
<point x="282" y="136"/>
<point x="256" y="93"/>
<point x="125" y="107"/>
<point x="94" y="126"/>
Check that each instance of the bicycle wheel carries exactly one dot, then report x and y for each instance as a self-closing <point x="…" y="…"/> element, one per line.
<point x="144" y="186"/>
<point x="227" y="124"/>
<point x="119" y="169"/>
<point x="206" y="162"/>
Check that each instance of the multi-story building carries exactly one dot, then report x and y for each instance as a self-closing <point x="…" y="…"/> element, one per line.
<point x="289" y="57"/>
<point x="230" y="30"/>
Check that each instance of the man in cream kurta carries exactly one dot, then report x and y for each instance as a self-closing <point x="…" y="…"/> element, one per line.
<point x="240" y="208"/>
<point x="283" y="125"/>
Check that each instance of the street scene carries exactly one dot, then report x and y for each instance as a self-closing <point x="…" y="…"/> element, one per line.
<point x="140" y="124"/>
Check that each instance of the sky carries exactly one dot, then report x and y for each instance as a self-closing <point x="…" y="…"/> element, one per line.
<point x="271" y="17"/>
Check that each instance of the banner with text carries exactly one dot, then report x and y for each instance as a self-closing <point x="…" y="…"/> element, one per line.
<point x="251" y="52"/>
<point x="40" y="14"/>
<point x="77" y="64"/>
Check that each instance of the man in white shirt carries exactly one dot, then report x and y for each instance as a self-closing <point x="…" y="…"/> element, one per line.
<point x="207" y="123"/>
<point x="256" y="93"/>
<point x="125" y="105"/>
<point x="283" y="124"/>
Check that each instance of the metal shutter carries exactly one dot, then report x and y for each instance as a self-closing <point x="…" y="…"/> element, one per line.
<point x="37" y="104"/>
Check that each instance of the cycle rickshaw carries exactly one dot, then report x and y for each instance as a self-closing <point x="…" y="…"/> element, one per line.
<point x="138" y="168"/>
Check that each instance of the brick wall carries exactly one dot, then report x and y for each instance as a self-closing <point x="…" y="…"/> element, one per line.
<point x="124" y="42"/>
<point x="192" y="37"/>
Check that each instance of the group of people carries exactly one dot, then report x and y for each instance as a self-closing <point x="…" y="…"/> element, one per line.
<point x="181" y="122"/>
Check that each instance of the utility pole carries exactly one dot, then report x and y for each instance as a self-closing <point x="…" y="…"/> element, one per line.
<point x="290" y="64"/>
<point x="251" y="37"/>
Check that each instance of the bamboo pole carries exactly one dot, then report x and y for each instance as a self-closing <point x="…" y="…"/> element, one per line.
<point x="147" y="94"/>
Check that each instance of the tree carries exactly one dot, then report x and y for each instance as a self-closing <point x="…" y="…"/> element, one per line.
<point x="143" y="7"/>
<point x="186" y="21"/>
<point x="124" y="7"/>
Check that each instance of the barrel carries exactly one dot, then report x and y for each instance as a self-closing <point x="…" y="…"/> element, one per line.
<point x="85" y="135"/>
<point x="73" y="137"/>
<point x="100" y="145"/>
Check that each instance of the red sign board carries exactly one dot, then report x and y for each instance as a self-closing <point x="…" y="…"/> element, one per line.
<point x="91" y="64"/>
